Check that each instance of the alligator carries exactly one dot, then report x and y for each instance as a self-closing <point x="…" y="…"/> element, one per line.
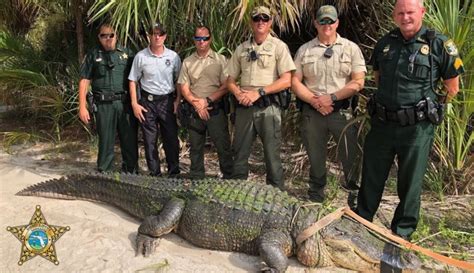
<point x="229" y="215"/>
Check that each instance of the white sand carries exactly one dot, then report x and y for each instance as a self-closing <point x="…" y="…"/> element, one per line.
<point x="101" y="238"/>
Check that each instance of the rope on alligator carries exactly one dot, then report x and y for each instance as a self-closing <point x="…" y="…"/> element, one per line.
<point x="328" y="219"/>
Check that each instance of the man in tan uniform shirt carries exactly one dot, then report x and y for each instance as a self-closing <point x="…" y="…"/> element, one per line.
<point x="202" y="85"/>
<point x="329" y="71"/>
<point x="263" y="66"/>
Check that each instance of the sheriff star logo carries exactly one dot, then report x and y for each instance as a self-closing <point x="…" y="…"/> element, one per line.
<point x="38" y="238"/>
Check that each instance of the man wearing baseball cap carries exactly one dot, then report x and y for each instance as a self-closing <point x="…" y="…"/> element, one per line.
<point x="329" y="71"/>
<point x="262" y="65"/>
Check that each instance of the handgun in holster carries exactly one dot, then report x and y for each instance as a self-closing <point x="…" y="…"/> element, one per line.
<point x="184" y="114"/>
<point x="435" y="111"/>
<point x="284" y="99"/>
<point x="92" y="108"/>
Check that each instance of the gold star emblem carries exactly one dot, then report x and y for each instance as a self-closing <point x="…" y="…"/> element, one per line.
<point x="38" y="238"/>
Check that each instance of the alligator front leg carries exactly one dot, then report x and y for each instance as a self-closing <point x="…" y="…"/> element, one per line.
<point x="155" y="226"/>
<point x="274" y="247"/>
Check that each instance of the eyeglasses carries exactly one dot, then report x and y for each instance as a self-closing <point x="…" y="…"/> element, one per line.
<point x="201" y="38"/>
<point x="326" y="22"/>
<point x="106" y="35"/>
<point x="261" y="17"/>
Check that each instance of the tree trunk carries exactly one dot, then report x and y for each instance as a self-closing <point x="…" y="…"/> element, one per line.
<point x="79" y="29"/>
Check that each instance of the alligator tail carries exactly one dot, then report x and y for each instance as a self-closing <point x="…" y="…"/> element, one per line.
<point x="96" y="187"/>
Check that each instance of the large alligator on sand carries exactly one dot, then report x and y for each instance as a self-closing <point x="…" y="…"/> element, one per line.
<point x="230" y="215"/>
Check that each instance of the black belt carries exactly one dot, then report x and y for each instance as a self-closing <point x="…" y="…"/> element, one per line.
<point x="108" y="97"/>
<point x="152" y="97"/>
<point x="404" y="116"/>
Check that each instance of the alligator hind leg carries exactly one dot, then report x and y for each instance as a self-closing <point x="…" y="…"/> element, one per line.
<point x="154" y="226"/>
<point x="274" y="247"/>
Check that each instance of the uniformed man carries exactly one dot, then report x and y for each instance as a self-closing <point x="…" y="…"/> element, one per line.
<point x="263" y="64"/>
<point x="329" y="71"/>
<point x="408" y="63"/>
<point x="156" y="68"/>
<point x="202" y="85"/>
<point x="106" y="68"/>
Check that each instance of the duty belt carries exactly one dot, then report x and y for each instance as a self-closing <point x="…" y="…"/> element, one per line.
<point x="108" y="97"/>
<point x="151" y="97"/>
<point x="404" y="116"/>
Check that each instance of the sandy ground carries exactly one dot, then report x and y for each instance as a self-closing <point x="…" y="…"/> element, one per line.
<point x="101" y="238"/>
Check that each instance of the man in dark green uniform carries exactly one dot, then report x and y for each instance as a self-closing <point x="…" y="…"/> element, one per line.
<point x="106" y="68"/>
<point x="408" y="63"/>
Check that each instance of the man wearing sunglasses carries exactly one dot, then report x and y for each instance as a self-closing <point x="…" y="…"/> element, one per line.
<point x="106" y="68"/>
<point x="329" y="71"/>
<point x="156" y="69"/>
<point x="263" y="67"/>
<point x="202" y="85"/>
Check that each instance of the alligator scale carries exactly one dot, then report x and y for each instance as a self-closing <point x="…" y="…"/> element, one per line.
<point x="229" y="215"/>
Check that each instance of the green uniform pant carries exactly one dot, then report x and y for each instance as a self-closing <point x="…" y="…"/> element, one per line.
<point x="315" y="130"/>
<point x="217" y="127"/>
<point x="266" y="122"/>
<point x="113" y="117"/>
<point x="410" y="145"/>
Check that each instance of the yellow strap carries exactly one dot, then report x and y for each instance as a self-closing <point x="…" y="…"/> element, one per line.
<point x="321" y="223"/>
<point x="388" y="234"/>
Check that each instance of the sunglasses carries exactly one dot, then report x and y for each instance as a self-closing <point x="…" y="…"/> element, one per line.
<point x="261" y="17"/>
<point x="201" y="38"/>
<point x="326" y="22"/>
<point x="106" y="35"/>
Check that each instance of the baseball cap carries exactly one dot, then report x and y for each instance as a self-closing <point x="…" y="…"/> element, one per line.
<point x="261" y="10"/>
<point x="326" y="11"/>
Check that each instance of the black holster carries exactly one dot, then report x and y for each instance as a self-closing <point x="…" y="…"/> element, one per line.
<point x="284" y="99"/>
<point x="435" y="111"/>
<point x="92" y="108"/>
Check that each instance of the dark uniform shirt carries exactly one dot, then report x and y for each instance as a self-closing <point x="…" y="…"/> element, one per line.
<point x="404" y="67"/>
<point x="107" y="70"/>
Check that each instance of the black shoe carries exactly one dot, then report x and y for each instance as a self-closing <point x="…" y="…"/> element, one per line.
<point x="352" y="200"/>
<point x="317" y="196"/>
<point x="350" y="186"/>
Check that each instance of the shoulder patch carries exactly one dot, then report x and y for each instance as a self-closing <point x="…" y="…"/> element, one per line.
<point x="458" y="63"/>
<point x="451" y="48"/>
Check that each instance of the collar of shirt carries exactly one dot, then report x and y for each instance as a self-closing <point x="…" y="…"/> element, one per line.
<point x="210" y="54"/>
<point x="166" y="52"/>
<point x="316" y="41"/>
<point x="418" y="36"/>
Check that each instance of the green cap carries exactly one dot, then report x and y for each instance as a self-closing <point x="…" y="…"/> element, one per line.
<point x="326" y="11"/>
<point x="261" y="10"/>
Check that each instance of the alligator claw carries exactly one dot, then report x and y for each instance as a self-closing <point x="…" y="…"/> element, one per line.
<point x="146" y="245"/>
<point x="396" y="258"/>
<point x="267" y="269"/>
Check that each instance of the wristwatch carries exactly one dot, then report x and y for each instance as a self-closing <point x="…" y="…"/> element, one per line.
<point x="333" y="97"/>
<point x="209" y="101"/>
<point x="261" y="92"/>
